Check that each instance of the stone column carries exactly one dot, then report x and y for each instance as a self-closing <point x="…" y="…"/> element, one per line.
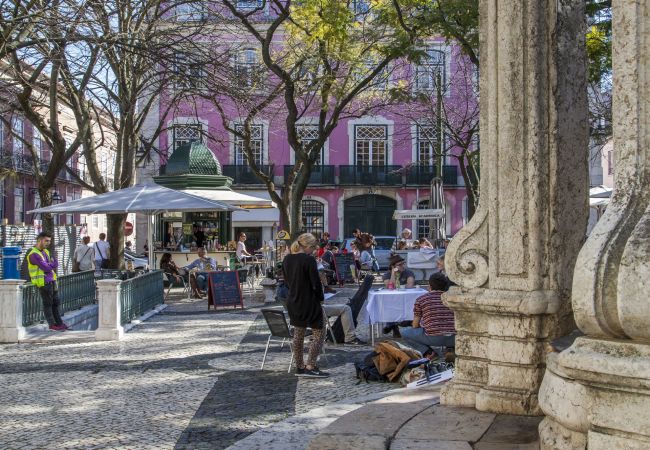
<point x="596" y="394"/>
<point x="11" y="310"/>
<point x="109" y="327"/>
<point x="513" y="261"/>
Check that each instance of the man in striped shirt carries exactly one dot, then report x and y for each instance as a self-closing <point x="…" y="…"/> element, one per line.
<point x="433" y="322"/>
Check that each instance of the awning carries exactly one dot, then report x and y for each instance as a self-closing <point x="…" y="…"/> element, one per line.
<point x="235" y="198"/>
<point x="268" y="216"/>
<point x="599" y="196"/>
<point x="418" y="214"/>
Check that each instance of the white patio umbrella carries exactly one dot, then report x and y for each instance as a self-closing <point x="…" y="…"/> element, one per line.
<point x="147" y="198"/>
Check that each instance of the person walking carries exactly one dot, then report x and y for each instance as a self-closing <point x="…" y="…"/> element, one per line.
<point x="102" y="252"/>
<point x="304" y="303"/>
<point x="42" y="274"/>
<point x="84" y="255"/>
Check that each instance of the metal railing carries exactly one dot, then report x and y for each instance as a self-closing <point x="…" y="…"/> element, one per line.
<point x="371" y="175"/>
<point x="244" y="174"/>
<point x="75" y="291"/>
<point x="319" y="174"/>
<point x="140" y="294"/>
<point x="422" y="175"/>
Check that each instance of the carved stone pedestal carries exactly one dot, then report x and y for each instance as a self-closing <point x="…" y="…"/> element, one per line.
<point x="596" y="395"/>
<point x="500" y="347"/>
<point x="515" y="258"/>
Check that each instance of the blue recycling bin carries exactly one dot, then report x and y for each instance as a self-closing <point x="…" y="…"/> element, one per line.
<point x="10" y="266"/>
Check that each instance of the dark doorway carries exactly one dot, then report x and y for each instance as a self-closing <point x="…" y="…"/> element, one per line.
<point x="253" y="237"/>
<point x="370" y="213"/>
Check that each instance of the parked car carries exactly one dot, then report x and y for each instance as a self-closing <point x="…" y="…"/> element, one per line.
<point x="382" y="249"/>
<point x="138" y="261"/>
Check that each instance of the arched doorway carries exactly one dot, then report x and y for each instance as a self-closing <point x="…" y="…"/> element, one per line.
<point x="370" y="213"/>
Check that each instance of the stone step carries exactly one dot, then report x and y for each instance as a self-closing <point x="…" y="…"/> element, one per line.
<point x="416" y="421"/>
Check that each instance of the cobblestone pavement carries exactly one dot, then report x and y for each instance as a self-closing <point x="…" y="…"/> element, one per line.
<point x="185" y="379"/>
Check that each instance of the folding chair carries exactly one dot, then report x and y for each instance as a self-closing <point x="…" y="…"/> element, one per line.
<point x="171" y="282"/>
<point x="328" y="328"/>
<point x="277" y="322"/>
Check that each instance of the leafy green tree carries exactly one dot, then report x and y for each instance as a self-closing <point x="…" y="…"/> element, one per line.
<point x="325" y="59"/>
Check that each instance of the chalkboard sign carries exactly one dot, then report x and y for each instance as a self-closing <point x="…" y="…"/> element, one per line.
<point x="342" y="263"/>
<point x="224" y="289"/>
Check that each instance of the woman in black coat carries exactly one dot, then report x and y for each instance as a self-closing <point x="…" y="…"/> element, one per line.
<point x="304" y="303"/>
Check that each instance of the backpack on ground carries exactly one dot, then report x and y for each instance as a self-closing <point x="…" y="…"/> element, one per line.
<point x="366" y="370"/>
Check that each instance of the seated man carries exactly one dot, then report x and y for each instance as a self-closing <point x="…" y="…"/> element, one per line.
<point x="433" y="322"/>
<point x="202" y="264"/>
<point x="344" y="311"/>
<point x="398" y="271"/>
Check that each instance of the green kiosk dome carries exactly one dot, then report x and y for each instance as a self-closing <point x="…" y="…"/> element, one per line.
<point x="193" y="166"/>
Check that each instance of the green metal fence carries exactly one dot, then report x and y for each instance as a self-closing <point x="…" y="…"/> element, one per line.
<point x="141" y="294"/>
<point x="75" y="291"/>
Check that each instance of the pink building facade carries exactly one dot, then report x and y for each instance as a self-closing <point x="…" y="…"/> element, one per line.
<point x="370" y="165"/>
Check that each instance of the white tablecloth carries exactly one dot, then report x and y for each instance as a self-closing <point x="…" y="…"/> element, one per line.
<point x="392" y="305"/>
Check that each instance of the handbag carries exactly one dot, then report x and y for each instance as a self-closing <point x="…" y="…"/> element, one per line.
<point x="105" y="262"/>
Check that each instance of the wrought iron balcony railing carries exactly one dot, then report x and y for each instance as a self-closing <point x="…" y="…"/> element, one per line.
<point x="371" y="175"/>
<point x="422" y="175"/>
<point x="244" y="174"/>
<point x="319" y="174"/>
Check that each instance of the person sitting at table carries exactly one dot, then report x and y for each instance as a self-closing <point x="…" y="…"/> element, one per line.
<point x="433" y="322"/>
<point x="424" y="243"/>
<point x="398" y="271"/>
<point x="407" y="237"/>
<point x="242" y="255"/>
<point x="197" y="269"/>
<point x="169" y="267"/>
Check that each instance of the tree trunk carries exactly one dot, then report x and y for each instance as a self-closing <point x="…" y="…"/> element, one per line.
<point x="115" y="236"/>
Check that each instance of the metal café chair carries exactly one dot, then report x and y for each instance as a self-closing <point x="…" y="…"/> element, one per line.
<point x="279" y="329"/>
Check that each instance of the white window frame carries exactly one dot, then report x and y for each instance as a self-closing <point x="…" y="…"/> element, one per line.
<point x="259" y="133"/>
<point x="374" y="146"/>
<point x="432" y="70"/>
<point x="19" y="214"/>
<point x="308" y="129"/>
<point x="188" y="73"/>
<point x="37" y="142"/>
<point x="370" y="120"/>
<point x="178" y="141"/>
<point x="248" y="4"/>
<point x="183" y="121"/>
<point x="191" y="12"/>
<point x="246" y="66"/>
<point x="381" y="81"/>
<point x="312" y="121"/>
<point x="17" y="129"/>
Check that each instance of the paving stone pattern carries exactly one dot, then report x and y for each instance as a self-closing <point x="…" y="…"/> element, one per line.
<point x="185" y="379"/>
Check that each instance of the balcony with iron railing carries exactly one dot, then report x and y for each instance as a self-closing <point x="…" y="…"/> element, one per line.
<point x="370" y="175"/>
<point x="422" y="175"/>
<point x="244" y="174"/>
<point x="321" y="175"/>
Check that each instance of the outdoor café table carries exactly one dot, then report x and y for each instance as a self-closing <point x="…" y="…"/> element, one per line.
<point x="385" y="305"/>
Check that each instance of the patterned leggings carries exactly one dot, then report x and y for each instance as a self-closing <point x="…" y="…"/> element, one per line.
<point x="318" y="338"/>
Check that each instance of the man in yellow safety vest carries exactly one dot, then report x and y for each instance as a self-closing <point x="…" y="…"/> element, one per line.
<point x="42" y="274"/>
